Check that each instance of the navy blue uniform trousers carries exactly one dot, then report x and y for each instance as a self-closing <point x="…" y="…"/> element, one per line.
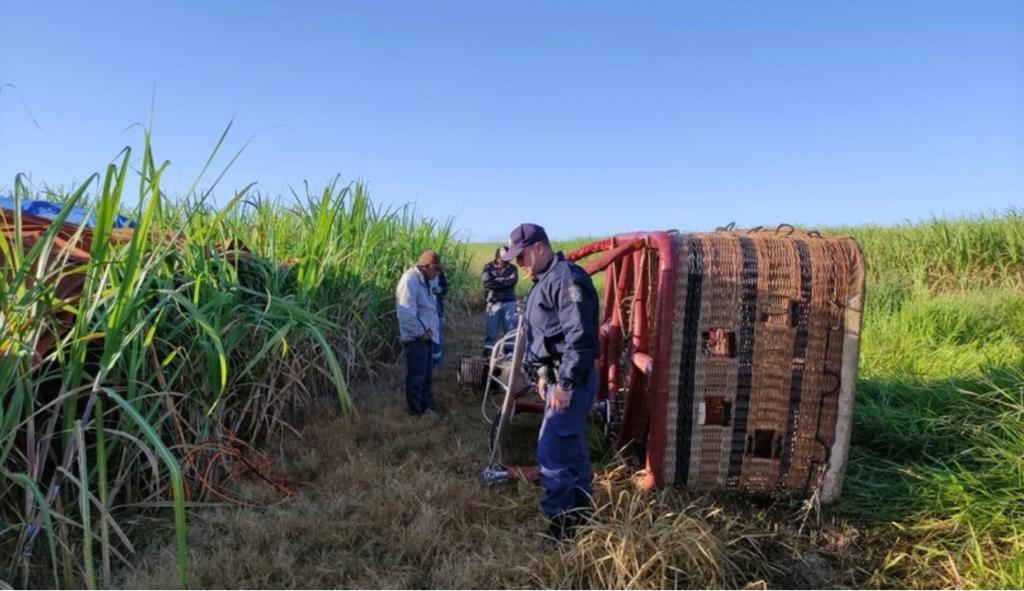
<point x="562" y="452"/>
<point x="419" y="376"/>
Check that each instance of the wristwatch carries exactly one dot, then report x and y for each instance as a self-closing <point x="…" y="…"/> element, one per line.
<point x="565" y="385"/>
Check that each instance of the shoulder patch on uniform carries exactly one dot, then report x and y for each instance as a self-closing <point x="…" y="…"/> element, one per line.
<point x="575" y="293"/>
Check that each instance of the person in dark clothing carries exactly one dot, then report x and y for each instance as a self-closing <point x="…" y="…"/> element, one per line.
<point x="439" y="288"/>
<point x="499" y="279"/>
<point x="561" y="351"/>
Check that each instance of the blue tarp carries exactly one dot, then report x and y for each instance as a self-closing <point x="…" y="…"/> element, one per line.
<point x="48" y="210"/>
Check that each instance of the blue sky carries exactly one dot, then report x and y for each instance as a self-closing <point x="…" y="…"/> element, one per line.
<point x="587" y="117"/>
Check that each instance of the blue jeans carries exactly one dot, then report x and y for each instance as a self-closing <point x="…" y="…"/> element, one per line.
<point x="562" y="452"/>
<point x="436" y="352"/>
<point x="419" y="376"/>
<point x="501" y="318"/>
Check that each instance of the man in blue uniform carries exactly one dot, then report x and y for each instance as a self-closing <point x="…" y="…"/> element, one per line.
<point x="499" y="279"/>
<point x="562" y="349"/>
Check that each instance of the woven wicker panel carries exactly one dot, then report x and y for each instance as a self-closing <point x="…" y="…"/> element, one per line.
<point x="679" y="393"/>
<point x="773" y="346"/>
<point x="757" y="355"/>
<point x="715" y="377"/>
<point x="472" y="370"/>
<point x="821" y="394"/>
<point x="801" y="438"/>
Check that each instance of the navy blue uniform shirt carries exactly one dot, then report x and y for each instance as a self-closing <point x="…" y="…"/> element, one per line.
<point x="562" y="319"/>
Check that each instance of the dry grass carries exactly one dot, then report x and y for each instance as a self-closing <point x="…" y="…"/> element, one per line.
<point x="391" y="501"/>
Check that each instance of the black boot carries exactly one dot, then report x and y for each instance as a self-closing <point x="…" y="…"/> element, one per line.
<point x="557" y="528"/>
<point x="565" y="526"/>
<point x="555" y="533"/>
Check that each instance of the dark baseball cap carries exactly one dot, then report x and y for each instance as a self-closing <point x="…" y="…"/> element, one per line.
<point x="524" y="235"/>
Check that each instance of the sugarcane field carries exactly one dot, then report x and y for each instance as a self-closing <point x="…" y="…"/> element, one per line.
<point x="547" y="295"/>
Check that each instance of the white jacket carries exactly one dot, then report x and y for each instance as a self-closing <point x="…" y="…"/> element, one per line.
<point x="416" y="307"/>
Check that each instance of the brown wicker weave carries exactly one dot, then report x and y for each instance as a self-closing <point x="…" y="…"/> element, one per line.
<point x="764" y="353"/>
<point x="472" y="371"/>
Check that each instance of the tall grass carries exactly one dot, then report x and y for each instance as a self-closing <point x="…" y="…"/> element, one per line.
<point x="938" y="445"/>
<point x="946" y="254"/>
<point x="198" y="338"/>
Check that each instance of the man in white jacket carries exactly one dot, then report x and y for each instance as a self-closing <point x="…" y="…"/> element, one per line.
<point x="419" y="328"/>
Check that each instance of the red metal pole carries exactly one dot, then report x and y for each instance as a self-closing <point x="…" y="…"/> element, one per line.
<point x="614" y="349"/>
<point x="589" y="249"/>
<point x="529" y="406"/>
<point x="634" y="418"/>
<point x="605" y="331"/>
<point x="643" y="362"/>
<point x="665" y="311"/>
<point x="618" y="253"/>
<point x="530" y="473"/>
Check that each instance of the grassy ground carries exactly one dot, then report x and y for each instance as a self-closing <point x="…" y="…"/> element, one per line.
<point x="388" y="500"/>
